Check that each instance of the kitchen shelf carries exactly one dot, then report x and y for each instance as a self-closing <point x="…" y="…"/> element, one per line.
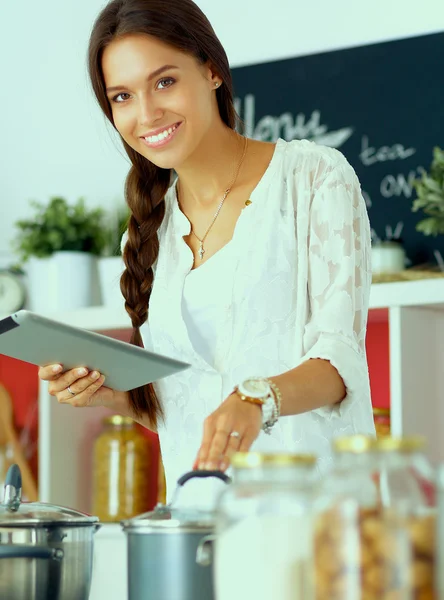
<point x="425" y="293"/>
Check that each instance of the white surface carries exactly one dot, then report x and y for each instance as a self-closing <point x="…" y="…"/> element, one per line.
<point x="69" y="150"/>
<point x="110" y="271"/>
<point x="417" y="375"/>
<point x="109" y="581"/>
<point x="277" y="551"/>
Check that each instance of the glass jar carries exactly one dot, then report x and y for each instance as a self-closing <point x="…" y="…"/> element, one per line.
<point x="121" y="467"/>
<point x="263" y="530"/>
<point x="375" y="522"/>
<point x="381" y="417"/>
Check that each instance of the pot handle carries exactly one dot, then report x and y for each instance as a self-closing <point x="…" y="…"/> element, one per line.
<point x="193" y="475"/>
<point x="11" y="551"/>
<point x="202" y="474"/>
<point x="204" y="553"/>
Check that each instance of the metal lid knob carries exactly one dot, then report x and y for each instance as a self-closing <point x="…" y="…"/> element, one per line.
<point x="13" y="489"/>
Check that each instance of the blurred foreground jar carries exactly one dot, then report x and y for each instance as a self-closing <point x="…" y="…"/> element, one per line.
<point x="375" y="525"/>
<point x="263" y="529"/>
<point x="121" y="463"/>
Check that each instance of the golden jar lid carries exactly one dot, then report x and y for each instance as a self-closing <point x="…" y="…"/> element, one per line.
<point x="381" y="412"/>
<point x="251" y="460"/>
<point x="410" y="443"/>
<point x="118" y="420"/>
<point x="356" y="444"/>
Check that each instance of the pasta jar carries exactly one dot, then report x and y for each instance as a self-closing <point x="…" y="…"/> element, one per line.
<point x="375" y="522"/>
<point x="381" y="417"/>
<point x="263" y="533"/>
<point x="121" y="466"/>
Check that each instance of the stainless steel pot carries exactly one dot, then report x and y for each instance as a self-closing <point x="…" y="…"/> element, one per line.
<point x="162" y="547"/>
<point x="46" y="551"/>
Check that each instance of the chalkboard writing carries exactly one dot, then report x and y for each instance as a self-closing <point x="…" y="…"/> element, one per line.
<point x="381" y="105"/>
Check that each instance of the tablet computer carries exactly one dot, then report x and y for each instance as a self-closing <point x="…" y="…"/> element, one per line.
<point x="41" y="341"/>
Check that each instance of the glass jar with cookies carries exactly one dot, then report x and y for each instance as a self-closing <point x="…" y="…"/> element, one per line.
<point x="375" y="522"/>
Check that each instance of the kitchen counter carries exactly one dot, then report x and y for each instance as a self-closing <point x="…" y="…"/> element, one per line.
<point x="109" y="580"/>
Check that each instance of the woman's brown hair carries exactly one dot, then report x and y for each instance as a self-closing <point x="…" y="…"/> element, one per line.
<point x="181" y="24"/>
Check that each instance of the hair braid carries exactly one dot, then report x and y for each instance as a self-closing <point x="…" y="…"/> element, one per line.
<point x="140" y="254"/>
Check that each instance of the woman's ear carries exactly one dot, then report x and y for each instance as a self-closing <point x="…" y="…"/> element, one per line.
<point x="212" y="76"/>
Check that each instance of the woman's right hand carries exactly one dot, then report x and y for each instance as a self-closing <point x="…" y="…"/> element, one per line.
<point x="85" y="388"/>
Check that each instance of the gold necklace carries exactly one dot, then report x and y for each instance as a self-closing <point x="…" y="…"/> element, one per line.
<point x="201" y="250"/>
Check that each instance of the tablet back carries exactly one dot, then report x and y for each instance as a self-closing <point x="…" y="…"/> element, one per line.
<point x="41" y="341"/>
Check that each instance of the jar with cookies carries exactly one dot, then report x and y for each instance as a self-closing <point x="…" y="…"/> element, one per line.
<point x="121" y="459"/>
<point x="375" y="519"/>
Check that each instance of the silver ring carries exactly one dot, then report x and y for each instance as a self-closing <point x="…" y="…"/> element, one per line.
<point x="70" y="391"/>
<point x="235" y="434"/>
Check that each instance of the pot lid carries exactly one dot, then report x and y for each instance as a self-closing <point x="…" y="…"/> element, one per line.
<point x="35" y="514"/>
<point x="14" y="513"/>
<point x="166" y="518"/>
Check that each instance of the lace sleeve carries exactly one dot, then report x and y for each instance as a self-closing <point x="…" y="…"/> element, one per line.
<point x="339" y="279"/>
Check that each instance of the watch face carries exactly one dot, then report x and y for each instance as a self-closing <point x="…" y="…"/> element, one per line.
<point x="256" y="388"/>
<point x="12" y="293"/>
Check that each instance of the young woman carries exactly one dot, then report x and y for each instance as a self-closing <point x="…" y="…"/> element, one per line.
<point x="253" y="264"/>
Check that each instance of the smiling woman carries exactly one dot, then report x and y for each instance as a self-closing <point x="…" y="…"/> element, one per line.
<point x="249" y="260"/>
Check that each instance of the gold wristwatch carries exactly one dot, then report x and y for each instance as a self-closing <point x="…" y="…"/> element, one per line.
<point x="259" y="391"/>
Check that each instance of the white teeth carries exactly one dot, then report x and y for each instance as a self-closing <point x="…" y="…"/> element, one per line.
<point x="152" y="139"/>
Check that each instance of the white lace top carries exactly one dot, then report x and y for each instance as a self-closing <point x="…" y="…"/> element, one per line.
<point x="298" y="288"/>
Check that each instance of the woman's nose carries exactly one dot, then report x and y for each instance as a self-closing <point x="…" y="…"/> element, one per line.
<point x="149" y="112"/>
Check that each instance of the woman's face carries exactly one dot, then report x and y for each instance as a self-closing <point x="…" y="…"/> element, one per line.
<point x="163" y="101"/>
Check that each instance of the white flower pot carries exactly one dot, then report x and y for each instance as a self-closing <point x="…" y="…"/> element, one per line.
<point x="388" y="257"/>
<point x="110" y="271"/>
<point x="64" y="281"/>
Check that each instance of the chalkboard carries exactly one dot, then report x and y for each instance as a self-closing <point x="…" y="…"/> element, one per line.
<point x="381" y="105"/>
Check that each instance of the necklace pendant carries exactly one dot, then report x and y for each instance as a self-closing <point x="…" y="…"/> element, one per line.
<point x="201" y="251"/>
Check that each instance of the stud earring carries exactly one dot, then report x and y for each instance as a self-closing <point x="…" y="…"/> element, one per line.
<point x="216" y="84"/>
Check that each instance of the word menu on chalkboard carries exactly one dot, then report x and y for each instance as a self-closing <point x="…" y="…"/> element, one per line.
<point x="381" y="105"/>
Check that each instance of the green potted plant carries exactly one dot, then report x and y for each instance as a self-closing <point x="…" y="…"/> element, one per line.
<point x="111" y="263"/>
<point x="430" y="196"/>
<point x="58" y="245"/>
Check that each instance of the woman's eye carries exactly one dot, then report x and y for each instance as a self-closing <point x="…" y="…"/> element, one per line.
<point x="165" y="83"/>
<point x="120" y="97"/>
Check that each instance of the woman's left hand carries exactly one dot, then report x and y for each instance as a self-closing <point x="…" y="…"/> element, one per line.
<point x="231" y="428"/>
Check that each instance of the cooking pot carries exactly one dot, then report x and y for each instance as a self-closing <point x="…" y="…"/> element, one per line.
<point x="46" y="551"/>
<point x="162" y="547"/>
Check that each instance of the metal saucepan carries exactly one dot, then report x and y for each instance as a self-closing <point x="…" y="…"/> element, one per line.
<point x="162" y="547"/>
<point x="46" y="551"/>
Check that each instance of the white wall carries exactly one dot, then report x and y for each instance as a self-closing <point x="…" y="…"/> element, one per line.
<point x="54" y="140"/>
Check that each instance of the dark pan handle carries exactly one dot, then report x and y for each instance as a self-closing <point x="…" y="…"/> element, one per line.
<point x="196" y="475"/>
<point x="203" y="474"/>
<point x="11" y="551"/>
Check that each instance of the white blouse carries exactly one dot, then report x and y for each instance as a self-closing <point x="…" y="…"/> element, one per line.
<point x="296" y="281"/>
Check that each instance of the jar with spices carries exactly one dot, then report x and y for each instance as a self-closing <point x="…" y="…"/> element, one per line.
<point x="121" y="470"/>
<point x="375" y="522"/>
<point x="381" y="416"/>
<point x="263" y="530"/>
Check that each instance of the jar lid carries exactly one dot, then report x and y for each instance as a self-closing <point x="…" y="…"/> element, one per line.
<point x="118" y="420"/>
<point x="413" y="443"/>
<point x="381" y="412"/>
<point x="356" y="444"/>
<point x="40" y="514"/>
<point x="251" y="460"/>
<point x="166" y="519"/>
